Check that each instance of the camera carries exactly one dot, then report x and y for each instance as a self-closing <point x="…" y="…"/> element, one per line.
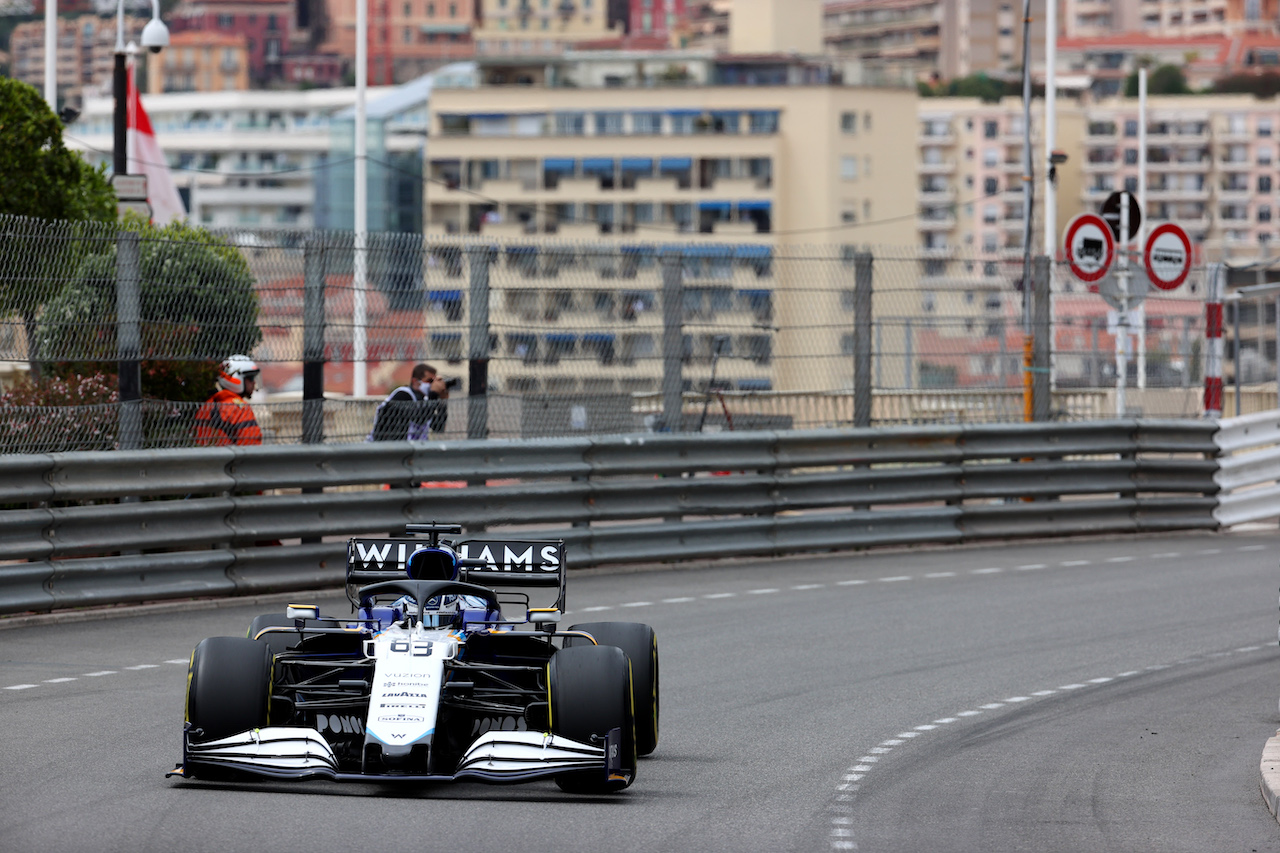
<point x="452" y="382"/>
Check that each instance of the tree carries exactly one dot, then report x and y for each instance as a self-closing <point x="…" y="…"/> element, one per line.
<point x="198" y="305"/>
<point x="1165" y="80"/>
<point x="1259" y="85"/>
<point x="41" y="179"/>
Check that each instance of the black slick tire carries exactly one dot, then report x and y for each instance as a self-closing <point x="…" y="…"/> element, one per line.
<point x="228" y="687"/>
<point x="590" y="695"/>
<point x="640" y="644"/>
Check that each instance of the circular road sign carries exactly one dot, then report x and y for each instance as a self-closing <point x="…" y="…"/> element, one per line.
<point x="1111" y="212"/>
<point x="1167" y="256"/>
<point x="1090" y="246"/>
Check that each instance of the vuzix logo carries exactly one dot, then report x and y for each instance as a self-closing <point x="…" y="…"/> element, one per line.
<point x="513" y="559"/>
<point x="339" y="724"/>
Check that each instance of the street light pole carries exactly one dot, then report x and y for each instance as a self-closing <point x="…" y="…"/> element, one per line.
<point x="51" y="54"/>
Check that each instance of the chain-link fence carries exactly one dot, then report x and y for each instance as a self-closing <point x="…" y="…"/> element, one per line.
<point x="569" y="337"/>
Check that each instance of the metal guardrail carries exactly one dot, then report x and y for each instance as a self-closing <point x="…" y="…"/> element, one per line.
<point x="126" y="526"/>
<point x="1249" y="468"/>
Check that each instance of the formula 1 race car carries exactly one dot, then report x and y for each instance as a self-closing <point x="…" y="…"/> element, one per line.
<point x="451" y="667"/>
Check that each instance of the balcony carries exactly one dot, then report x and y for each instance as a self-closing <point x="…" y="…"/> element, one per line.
<point x="1236" y="193"/>
<point x="935" y="252"/>
<point x="941" y="139"/>
<point x="935" y="223"/>
<point x="1097" y="194"/>
<point x="946" y="167"/>
<point x="946" y="196"/>
<point x="1102" y="165"/>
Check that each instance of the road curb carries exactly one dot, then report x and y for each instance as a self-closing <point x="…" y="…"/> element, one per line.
<point x="1271" y="775"/>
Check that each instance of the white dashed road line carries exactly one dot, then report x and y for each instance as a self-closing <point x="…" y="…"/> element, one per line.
<point x="851" y="782"/>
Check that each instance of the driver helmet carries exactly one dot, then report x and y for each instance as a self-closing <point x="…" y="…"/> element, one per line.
<point x="234" y="371"/>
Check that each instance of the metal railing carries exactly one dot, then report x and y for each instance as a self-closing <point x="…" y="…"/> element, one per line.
<point x="1249" y="472"/>
<point x="91" y="528"/>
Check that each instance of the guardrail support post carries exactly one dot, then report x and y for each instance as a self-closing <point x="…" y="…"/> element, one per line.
<point x="862" y="290"/>
<point x="129" y="338"/>
<point x="313" y="275"/>
<point x="1042" y="337"/>
<point x="672" y="342"/>
<point x="478" y="259"/>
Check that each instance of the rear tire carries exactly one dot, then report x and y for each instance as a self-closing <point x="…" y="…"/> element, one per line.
<point x="276" y="641"/>
<point x="590" y="694"/>
<point x="228" y="687"/>
<point x="640" y="645"/>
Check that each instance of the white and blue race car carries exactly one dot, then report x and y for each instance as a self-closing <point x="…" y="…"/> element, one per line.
<point x="452" y="666"/>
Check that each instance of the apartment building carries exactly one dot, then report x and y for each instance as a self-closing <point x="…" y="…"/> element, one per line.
<point x="200" y="62"/>
<point x="242" y="160"/>
<point x="1167" y="18"/>
<point x="266" y="25"/>
<point x="1211" y="167"/>
<point x="1108" y="61"/>
<point x="407" y="38"/>
<point x="733" y="158"/>
<point x="86" y="53"/>
<point x="921" y="39"/>
<point x="541" y="27"/>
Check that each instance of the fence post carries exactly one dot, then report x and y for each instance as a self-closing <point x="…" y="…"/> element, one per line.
<point x="907" y="355"/>
<point x="1041" y="341"/>
<point x="862" y="289"/>
<point x="313" y="274"/>
<point x="129" y="338"/>
<point x="672" y="342"/>
<point x="478" y="259"/>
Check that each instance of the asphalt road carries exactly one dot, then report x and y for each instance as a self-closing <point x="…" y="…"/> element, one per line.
<point x="1066" y="696"/>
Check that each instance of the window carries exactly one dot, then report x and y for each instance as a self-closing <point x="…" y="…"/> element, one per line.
<point x="849" y="123"/>
<point x="990" y="157"/>
<point x="682" y="124"/>
<point x="1131" y="127"/>
<point x="1264" y="213"/>
<point x="1131" y="184"/>
<point x="990" y="186"/>
<point x="1131" y="156"/>
<point x="646" y="124"/>
<point x="1264" y="126"/>
<point x="570" y="124"/>
<point x="1264" y="184"/>
<point x="990" y="214"/>
<point x="849" y="168"/>
<point x="608" y="124"/>
<point x="990" y="129"/>
<point x="762" y="121"/>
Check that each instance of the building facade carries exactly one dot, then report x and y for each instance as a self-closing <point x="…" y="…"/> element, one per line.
<point x="591" y="165"/>
<point x="200" y="62"/>
<point x="407" y="38"/>
<point x="243" y="160"/>
<point x="86" y="53"/>
<point x="266" y="25"/>
<point x="928" y="39"/>
<point x="1167" y="18"/>
<point x="1213" y="167"/>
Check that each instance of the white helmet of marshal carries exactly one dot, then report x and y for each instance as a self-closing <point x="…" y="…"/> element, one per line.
<point x="234" y="371"/>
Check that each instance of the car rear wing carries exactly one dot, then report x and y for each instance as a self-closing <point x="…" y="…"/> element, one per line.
<point x="527" y="572"/>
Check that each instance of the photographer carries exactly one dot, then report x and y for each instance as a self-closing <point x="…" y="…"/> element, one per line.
<point x="413" y="411"/>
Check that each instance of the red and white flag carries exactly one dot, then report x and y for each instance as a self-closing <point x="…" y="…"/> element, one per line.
<point x="146" y="158"/>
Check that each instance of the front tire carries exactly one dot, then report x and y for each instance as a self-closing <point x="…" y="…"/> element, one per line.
<point x="228" y="687"/>
<point x="590" y="695"/>
<point x="640" y="644"/>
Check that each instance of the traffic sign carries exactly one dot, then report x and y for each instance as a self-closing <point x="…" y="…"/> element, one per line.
<point x="1109" y="289"/>
<point x="1090" y="246"/>
<point x="1111" y="213"/>
<point x="142" y="208"/>
<point x="1167" y="256"/>
<point x="130" y="187"/>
